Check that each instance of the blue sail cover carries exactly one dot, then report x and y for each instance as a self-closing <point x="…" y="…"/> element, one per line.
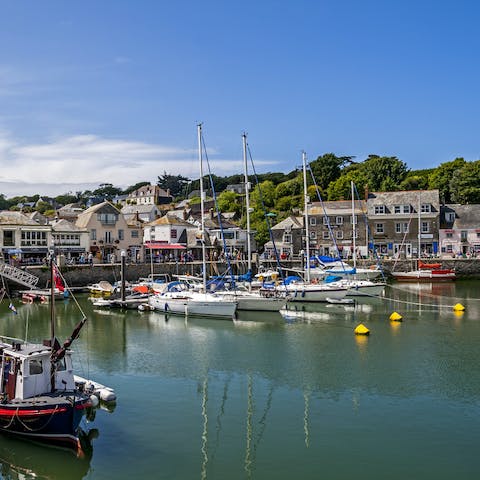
<point x="325" y="259"/>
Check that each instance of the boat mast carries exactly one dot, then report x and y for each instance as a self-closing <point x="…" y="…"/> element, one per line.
<point x="305" y="201"/>
<point x="419" y="229"/>
<point x="202" y="207"/>
<point x="52" y="320"/>
<point x="354" y="228"/>
<point x="247" y="202"/>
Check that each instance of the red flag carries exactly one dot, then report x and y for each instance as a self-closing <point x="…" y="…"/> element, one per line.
<point x="58" y="279"/>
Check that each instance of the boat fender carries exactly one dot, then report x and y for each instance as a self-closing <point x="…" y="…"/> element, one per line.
<point x="94" y="400"/>
<point x="107" y="395"/>
<point x="166" y="307"/>
<point x="303" y="293"/>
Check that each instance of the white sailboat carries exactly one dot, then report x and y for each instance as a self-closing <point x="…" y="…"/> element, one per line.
<point x="246" y="298"/>
<point x="358" y="287"/>
<point x="305" y="291"/>
<point x="177" y="298"/>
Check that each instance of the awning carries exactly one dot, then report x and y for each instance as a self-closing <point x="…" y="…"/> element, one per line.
<point x="164" y="246"/>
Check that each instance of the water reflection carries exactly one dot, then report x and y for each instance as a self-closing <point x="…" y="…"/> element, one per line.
<point x="22" y="460"/>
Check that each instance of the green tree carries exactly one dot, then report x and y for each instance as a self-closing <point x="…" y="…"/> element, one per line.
<point x="228" y="201"/>
<point x="441" y="177"/>
<point x="175" y="183"/>
<point x="465" y="184"/>
<point x="42" y="207"/>
<point x="66" y="198"/>
<point x="289" y="188"/>
<point x="384" y="173"/>
<point x="107" y="190"/>
<point x="132" y="188"/>
<point x="328" y="168"/>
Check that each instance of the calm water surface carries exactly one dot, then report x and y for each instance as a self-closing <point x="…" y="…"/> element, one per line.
<point x="269" y="397"/>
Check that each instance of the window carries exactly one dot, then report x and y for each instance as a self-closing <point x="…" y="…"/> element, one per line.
<point x="379" y="209"/>
<point x="406" y="209"/>
<point x="397" y="209"/>
<point x="478" y="234"/>
<point x="107" y="218"/>
<point x="134" y="233"/>
<point x="173" y="233"/>
<point x="425" y="228"/>
<point x="34" y="238"/>
<point x="379" y="228"/>
<point x="398" y="228"/>
<point x="425" y="208"/>
<point x="93" y="234"/>
<point x="61" y="365"/>
<point x="339" y="234"/>
<point x="326" y="235"/>
<point x="9" y="238"/>
<point x="108" y="237"/>
<point x="450" y="217"/>
<point x="401" y="227"/>
<point x="313" y="221"/>
<point x="121" y="235"/>
<point x="463" y="235"/>
<point x="449" y="235"/>
<point x="313" y="235"/>
<point x="325" y="221"/>
<point x="287" y="238"/>
<point x="339" y="220"/>
<point x="35" y="367"/>
<point x="449" y="248"/>
<point x="354" y="219"/>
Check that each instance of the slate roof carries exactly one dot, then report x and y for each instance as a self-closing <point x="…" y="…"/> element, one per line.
<point x="466" y="216"/>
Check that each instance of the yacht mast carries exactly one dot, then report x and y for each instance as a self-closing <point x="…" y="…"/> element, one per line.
<point x="202" y="207"/>
<point x="247" y="202"/>
<point x="306" y="201"/>
<point x="354" y="228"/>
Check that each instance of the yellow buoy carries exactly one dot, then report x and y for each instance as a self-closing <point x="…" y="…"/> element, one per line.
<point x="395" y="317"/>
<point x="362" y="330"/>
<point x="458" y="307"/>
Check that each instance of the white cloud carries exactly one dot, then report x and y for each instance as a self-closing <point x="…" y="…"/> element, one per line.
<point x="85" y="161"/>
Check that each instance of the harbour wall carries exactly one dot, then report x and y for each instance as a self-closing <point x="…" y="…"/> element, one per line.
<point x="82" y="275"/>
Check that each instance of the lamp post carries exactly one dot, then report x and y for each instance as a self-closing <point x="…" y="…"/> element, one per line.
<point x="123" y="255"/>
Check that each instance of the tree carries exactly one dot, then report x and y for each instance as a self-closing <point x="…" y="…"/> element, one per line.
<point x="132" y="188"/>
<point x="228" y="201"/>
<point x="465" y="184"/>
<point x="441" y="177"/>
<point x="327" y="168"/>
<point x="42" y="207"/>
<point x="384" y="173"/>
<point x="66" y="198"/>
<point x="174" y="183"/>
<point x="107" y="191"/>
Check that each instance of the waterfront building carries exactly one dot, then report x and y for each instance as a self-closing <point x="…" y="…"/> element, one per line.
<point x="395" y="219"/>
<point x="70" y="240"/>
<point x="460" y="230"/>
<point x="23" y="240"/>
<point x="288" y="236"/>
<point x="109" y="232"/>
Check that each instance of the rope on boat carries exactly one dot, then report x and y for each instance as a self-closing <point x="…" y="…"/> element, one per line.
<point x="33" y="429"/>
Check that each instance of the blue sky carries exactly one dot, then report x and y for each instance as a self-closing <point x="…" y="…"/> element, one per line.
<point x="111" y="90"/>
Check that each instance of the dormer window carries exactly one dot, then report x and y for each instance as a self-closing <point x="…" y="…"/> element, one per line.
<point x="380" y="209"/>
<point x="450" y="217"/>
<point x="426" y="208"/>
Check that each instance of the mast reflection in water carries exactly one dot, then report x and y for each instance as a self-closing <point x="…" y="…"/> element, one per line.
<point x="269" y="397"/>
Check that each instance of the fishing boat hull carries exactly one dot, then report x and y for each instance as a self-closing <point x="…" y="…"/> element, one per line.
<point x="204" y="306"/>
<point x="256" y="301"/>
<point x="53" y="420"/>
<point x="440" y="275"/>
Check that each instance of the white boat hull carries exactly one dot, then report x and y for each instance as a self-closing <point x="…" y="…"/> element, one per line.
<point x="253" y="302"/>
<point x="314" y="293"/>
<point x="208" y="306"/>
<point x="424" y="276"/>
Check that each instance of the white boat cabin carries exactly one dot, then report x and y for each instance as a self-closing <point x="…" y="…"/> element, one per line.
<point x="25" y="371"/>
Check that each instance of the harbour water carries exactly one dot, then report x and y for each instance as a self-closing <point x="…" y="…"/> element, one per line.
<point x="272" y="397"/>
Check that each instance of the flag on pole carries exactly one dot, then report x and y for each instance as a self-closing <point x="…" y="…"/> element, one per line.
<point x="12" y="308"/>
<point x="58" y="279"/>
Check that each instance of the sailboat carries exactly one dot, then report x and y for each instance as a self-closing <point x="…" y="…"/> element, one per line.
<point x="246" y="298"/>
<point x="425" y="272"/>
<point x="358" y="287"/>
<point x="176" y="297"/>
<point x="41" y="400"/>
<point x="305" y="291"/>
